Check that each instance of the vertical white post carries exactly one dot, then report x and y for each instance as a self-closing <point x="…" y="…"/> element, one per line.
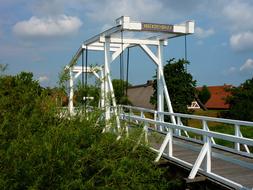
<point x="155" y="118"/>
<point x="237" y="134"/>
<point x="106" y="83"/>
<point x="179" y="122"/>
<point x="207" y="141"/>
<point x="146" y="132"/>
<point x="169" y="136"/>
<point x="71" y="93"/>
<point x="102" y="101"/>
<point x="160" y="89"/>
<point x="208" y="155"/>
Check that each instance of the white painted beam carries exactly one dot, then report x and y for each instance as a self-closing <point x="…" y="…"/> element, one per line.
<point x="150" y="54"/>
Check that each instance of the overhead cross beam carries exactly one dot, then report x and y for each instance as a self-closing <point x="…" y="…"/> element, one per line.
<point x="112" y="43"/>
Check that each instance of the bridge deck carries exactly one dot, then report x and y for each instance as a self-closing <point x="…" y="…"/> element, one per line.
<point x="241" y="173"/>
<point x="226" y="165"/>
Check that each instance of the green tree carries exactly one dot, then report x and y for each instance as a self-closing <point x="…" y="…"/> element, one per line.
<point x="91" y="91"/>
<point x="204" y="94"/>
<point x="119" y="87"/>
<point x="18" y="94"/>
<point x="180" y="84"/>
<point x="240" y="101"/>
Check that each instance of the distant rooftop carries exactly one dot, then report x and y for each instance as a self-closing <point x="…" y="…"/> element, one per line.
<point x="218" y="96"/>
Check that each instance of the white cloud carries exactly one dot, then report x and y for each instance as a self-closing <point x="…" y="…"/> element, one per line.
<point x="50" y="26"/>
<point x="43" y="78"/>
<point x="109" y="10"/>
<point x="230" y="71"/>
<point x="200" y="42"/>
<point x="247" y="66"/>
<point x="239" y="14"/>
<point x="202" y="33"/>
<point x="242" y="41"/>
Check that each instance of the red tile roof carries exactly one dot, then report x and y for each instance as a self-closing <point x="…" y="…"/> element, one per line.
<point x="218" y="97"/>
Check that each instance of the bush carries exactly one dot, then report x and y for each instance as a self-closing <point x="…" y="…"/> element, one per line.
<point x="39" y="150"/>
<point x="240" y="101"/>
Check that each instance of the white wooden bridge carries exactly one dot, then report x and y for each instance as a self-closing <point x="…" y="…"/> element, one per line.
<point x="231" y="166"/>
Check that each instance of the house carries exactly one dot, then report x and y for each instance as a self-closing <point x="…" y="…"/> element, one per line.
<point x="139" y="96"/>
<point x="218" y="97"/>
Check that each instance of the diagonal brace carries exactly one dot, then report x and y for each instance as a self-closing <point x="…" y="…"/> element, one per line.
<point x="199" y="160"/>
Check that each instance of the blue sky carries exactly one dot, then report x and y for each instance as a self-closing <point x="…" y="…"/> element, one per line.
<point x="41" y="36"/>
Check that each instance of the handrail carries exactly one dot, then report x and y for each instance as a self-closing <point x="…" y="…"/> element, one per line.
<point x="206" y="118"/>
<point x="203" y="162"/>
<point x="231" y="138"/>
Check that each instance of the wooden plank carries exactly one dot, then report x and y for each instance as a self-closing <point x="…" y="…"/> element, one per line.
<point x="223" y="168"/>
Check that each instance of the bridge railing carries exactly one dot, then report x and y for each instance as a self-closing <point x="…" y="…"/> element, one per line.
<point x="149" y="121"/>
<point x="203" y="121"/>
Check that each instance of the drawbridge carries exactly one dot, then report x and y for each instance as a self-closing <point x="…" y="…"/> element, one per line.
<point x="197" y="149"/>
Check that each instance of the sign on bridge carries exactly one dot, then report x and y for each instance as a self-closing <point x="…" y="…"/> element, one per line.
<point x="156" y="27"/>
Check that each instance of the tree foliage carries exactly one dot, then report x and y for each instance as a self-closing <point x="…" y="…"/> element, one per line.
<point x="204" y="94"/>
<point x="119" y="87"/>
<point x="180" y="84"/>
<point x="240" y="101"/>
<point x="40" y="150"/>
<point x="91" y="91"/>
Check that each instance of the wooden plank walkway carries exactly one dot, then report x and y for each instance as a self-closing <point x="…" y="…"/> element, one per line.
<point x="238" y="169"/>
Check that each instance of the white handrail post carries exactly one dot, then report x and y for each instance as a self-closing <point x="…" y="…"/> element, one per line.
<point x="155" y="118"/>
<point x="170" y="147"/>
<point x="142" y="114"/>
<point x="159" y="116"/>
<point x="178" y="131"/>
<point x="207" y="140"/>
<point x="146" y="132"/>
<point x="205" y="128"/>
<point x="237" y="134"/>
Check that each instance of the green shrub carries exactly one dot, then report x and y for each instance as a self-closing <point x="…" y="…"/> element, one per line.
<point x="39" y="150"/>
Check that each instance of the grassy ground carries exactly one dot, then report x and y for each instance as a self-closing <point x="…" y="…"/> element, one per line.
<point x="219" y="127"/>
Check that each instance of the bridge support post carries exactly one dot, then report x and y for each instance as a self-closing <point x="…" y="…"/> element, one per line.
<point x="108" y="94"/>
<point x="71" y="93"/>
<point x="106" y="84"/>
<point x="160" y="89"/>
<point x="102" y="90"/>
